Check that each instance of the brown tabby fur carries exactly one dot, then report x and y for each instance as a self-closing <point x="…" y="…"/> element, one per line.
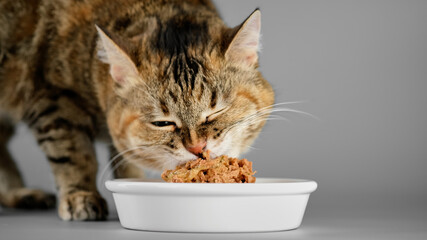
<point x="51" y="78"/>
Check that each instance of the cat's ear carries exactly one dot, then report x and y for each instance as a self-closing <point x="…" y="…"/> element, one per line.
<point x="122" y="68"/>
<point x="244" y="45"/>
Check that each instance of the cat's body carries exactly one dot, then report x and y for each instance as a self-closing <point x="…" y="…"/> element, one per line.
<point x="164" y="66"/>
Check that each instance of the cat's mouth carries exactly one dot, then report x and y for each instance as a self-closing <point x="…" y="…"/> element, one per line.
<point x="200" y="155"/>
<point x="212" y="155"/>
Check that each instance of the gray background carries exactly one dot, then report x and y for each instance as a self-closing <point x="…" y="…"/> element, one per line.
<point x="360" y="67"/>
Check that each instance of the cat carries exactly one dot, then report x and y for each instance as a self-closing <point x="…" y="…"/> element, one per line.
<point x="162" y="81"/>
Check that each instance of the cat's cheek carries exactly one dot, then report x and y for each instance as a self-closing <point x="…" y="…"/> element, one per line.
<point x="121" y="123"/>
<point x="224" y="146"/>
<point x="234" y="152"/>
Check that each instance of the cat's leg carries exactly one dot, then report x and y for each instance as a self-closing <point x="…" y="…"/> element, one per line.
<point x="64" y="129"/>
<point x="13" y="194"/>
<point x="123" y="168"/>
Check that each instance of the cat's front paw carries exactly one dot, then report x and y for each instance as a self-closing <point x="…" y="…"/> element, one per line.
<point x="82" y="205"/>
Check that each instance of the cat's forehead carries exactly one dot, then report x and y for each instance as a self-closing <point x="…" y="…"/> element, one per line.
<point x="187" y="79"/>
<point x="188" y="102"/>
<point x="190" y="87"/>
<point x="189" y="98"/>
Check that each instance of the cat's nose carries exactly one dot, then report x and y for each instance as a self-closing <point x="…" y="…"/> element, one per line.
<point x="197" y="149"/>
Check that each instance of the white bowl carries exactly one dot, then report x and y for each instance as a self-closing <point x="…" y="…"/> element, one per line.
<point x="267" y="205"/>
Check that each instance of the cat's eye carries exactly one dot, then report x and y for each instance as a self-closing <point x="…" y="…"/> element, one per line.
<point x="163" y="123"/>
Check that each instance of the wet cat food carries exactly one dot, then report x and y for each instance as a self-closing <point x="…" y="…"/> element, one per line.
<point x="222" y="169"/>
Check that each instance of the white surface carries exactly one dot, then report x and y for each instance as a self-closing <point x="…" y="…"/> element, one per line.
<point x="268" y="205"/>
<point x="405" y="220"/>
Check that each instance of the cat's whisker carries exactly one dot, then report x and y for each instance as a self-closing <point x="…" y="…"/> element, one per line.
<point x="228" y="147"/>
<point x="255" y="121"/>
<point x="273" y="117"/>
<point x="265" y="116"/>
<point x="254" y="115"/>
<point x="152" y="152"/>
<point x="270" y="111"/>
<point x="113" y="166"/>
<point x="112" y="161"/>
<point x="119" y="164"/>
<point x="261" y="117"/>
<point x="117" y="156"/>
<point x="126" y="159"/>
<point x="280" y="104"/>
<point x="272" y="106"/>
<point x="130" y="158"/>
<point x="295" y="111"/>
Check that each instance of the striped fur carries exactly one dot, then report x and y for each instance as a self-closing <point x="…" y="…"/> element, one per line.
<point x="149" y="61"/>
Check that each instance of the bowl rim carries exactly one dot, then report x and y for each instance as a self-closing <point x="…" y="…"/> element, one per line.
<point x="262" y="187"/>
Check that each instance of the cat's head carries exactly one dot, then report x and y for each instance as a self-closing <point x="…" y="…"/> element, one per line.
<point x="183" y="87"/>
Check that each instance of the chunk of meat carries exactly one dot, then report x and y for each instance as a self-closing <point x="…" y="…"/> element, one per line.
<point x="222" y="169"/>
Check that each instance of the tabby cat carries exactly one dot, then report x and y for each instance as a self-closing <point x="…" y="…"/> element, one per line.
<point x="162" y="81"/>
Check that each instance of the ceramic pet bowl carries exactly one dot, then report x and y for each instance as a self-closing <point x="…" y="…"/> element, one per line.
<point x="270" y="204"/>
